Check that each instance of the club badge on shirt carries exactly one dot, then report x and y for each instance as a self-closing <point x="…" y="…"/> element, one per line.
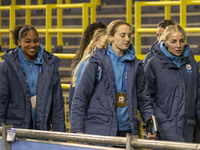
<point x="121" y="99"/>
<point x="188" y="67"/>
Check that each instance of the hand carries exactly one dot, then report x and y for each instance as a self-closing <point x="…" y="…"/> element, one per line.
<point x="151" y="136"/>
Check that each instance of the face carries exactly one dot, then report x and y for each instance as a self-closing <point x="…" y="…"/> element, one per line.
<point x="29" y="45"/>
<point x="159" y="32"/>
<point x="121" y="39"/>
<point x="175" y="43"/>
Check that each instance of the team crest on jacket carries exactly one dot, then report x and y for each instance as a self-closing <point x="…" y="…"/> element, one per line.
<point x="189" y="68"/>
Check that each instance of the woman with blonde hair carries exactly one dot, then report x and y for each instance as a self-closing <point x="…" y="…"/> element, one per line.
<point x="97" y="38"/>
<point x="111" y="88"/>
<point x="173" y="79"/>
<point x="85" y="40"/>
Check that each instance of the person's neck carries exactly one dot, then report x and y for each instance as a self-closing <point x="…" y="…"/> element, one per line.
<point x="33" y="58"/>
<point x="118" y="51"/>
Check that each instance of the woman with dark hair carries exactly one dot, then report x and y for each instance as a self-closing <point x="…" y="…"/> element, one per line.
<point x="31" y="95"/>
<point x="161" y="28"/>
<point x="86" y="39"/>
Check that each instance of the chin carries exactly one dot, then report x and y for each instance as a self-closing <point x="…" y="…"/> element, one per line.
<point x="178" y="55"/>
<point x="125" y="48"/>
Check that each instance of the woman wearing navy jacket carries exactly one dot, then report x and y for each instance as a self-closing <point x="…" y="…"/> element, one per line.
<point x="30" y="89"/>
<point x="111" y="88"/>
<point x="173" y="78"/>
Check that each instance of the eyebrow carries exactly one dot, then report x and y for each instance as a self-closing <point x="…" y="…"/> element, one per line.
<point x="30" y="39"/>
<point x="178" y="40"/>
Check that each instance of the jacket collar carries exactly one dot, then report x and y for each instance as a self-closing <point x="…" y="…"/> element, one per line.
<point x="12" y="54"/>
<point x="166" y="62"/>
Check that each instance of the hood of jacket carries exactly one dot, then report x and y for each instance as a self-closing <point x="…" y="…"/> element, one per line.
<point x="175" y="59"/>
<point x="100" y="54"/>
<point x="151" y="49"/>
<point x="11" y="55"/>
<point x="170" y="61"/>
<point x="129" y="54"/>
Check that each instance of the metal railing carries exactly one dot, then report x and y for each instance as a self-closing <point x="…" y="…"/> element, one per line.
<point x="131" y="142"/>
<point x="48" y="30"/>
<point x="167" y="4"/>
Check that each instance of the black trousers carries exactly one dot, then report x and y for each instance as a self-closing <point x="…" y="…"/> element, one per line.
<point x="123" y="133"/>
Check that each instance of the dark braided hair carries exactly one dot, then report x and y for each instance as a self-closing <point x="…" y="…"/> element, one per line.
<point x="87" y="37"/>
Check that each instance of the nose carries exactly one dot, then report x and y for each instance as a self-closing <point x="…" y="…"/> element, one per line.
<point x="178" y="44"/>
<point x="32" y="44"/>
<point x="127" y="38"/>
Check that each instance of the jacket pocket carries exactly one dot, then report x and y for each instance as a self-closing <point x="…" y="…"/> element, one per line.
<point x="97" y="124"/>
<point x="191" y="121"/>
<point x="99" y="119"/>
<point x="160" y="116"/>
<point x="14" y="122"/>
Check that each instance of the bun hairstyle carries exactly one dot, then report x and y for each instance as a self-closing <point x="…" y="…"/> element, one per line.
<point x="20" y="31"/>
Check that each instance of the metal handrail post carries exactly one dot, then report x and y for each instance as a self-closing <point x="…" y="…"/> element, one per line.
<point x="138" y="12"/>
<point x="12" y="22"/>
<point x="48" y="26"/>
<point x="167" y="11"/>
<point x="129" y="139"/>
<point x="5" y="144"/>
<point x="0" y="26"/>
<point x="183" y="15"/>
<point x="183" y="11"/>
<point x="0" y="130"/>
<point x="85" y="16"/>
<point x="59" y="24"/>
<point x="28" y="13"/>
<point x="129" y="5"/>
<point x="40" y="2"/>
<point x="68" y="2"/>
<point x="93" y="11"/>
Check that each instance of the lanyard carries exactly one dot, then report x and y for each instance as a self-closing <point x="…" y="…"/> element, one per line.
<point x="126" y="70"/>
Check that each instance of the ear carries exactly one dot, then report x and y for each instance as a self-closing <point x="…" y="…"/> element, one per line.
<point x="165" y="43"/>
<point x="19" y="42"/>
<point x="110" y="38"/>
<point x="93" y="41"/>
